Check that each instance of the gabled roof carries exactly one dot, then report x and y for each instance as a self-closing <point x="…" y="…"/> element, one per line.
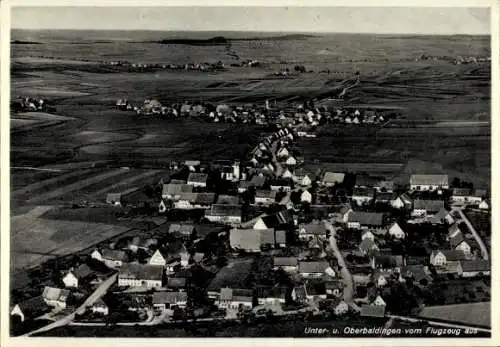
<point x="435" y="180"/>
<point x="366" y="181"/>
<point x="367" y="245"/>
<point x="265" y="194"/>
<point x="417" y="272"/>
<point x="313" y="266"/>
<point x="457" y="240"/>
<point x="228" y="199"/>
<point x="224" y="210"/>
<point x="285" y="261"/>
<point x="281" y="182"/>
<point x="478" y="265"/>
<point x="442" y="213"/>
<point x="366" y="218"/>
<point x="197" y="177"/>
<point x="258" y="181"/>
<point x="372" y="311"/>
<point x="335" y="284"/>
<point x="385" y="196"/>
<point x="428" y="205"/>
<point x="451" y="254"/>
<point x="263" y="291"/>
<point x="315" y="228"/>
<point x="333" y="177"/>
<point x="461" y="192"/>
<point x="34" y="307"/>
<point x="254" y="239"/>
<point x="169" y="297"/>
<point x="176" y="189"/>
<point x="141" y="272"/>
<point x="55" y="294"/>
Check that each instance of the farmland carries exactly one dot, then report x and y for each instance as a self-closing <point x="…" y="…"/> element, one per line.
<point x="476" y="313"/>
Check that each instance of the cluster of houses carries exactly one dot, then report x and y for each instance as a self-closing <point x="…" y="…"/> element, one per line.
<point x="204" y="67"/>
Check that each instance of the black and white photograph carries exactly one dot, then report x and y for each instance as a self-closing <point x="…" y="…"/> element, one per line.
<point x="284" y="171"/>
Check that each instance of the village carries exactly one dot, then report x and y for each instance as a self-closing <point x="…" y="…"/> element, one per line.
<point x="264" y="237"/>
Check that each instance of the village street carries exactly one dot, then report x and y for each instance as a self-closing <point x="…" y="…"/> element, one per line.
<point x="484" y="250"/>
<point x="97" y="294"/>
<point x="346" y="275"/>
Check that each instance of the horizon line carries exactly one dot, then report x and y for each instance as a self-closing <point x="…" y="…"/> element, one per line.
<point x="260" y="31"/>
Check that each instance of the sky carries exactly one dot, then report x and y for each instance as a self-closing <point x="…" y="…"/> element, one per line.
<point x="378" y="20"/>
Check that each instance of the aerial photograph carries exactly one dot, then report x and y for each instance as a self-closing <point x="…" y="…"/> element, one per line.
<point x="250" y="172"/>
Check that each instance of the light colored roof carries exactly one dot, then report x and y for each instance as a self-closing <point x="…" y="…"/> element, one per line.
<point x="183" y="229"/>
<point x="435" y="180"/>
<point x="457" y="240"/>
<point x="57" y="294"/>
<point x="228" y="199"/>
<point x="226" y="294"/>
<point x="313" y="228"/>
<point x="192" y="162"/>
<point x="333" y="177"/>
<point x="176" y="189"/>
<point x="113" y="254"/>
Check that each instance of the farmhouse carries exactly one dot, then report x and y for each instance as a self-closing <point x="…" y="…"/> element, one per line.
<point x="384" y="186"/>
<point x="251" y="240"/>
<point x="357" y="220"/>
<point x="291" y="161"/>
<point x="55" y="297"/>
<point x="77" y="276"/>
<point x="224" y="199"/>
<point x="288" y="264"/>
<point x="185" y="231"/>
<point x="137" y="275"/>
<point x="367" y="246"/>
<point x="164" y="300"/>
<point x="229" y="299"/>
<point x="457" y="242"/>
<point x="30" y="309"/>
<point x="387" y="262"/>
<point x="334" y="287"/>
<point x="332" y="178"/>
<point x="100" y="307"/>
<point x="283" y="184"/>
<point x="283" y="152"/>
<point x="110" y="257"/>
<point x="271" y="295"/>
<point x="188" y="201"/>
<point x="287" y="174"/>
<point x="403" y="201"/>
<point x="442" y="257"/>
<point x="173" y="191"/>
<point x="192" y="165"/>
<point x="396" y="231"/>
<point x="227" y="214"/>
<point x="197" y="179"/>
<point x="114" y="199"/>
<point x="484" y="205"/>
<point x="313" y="229"/>
<point x="362" y="195"/>
<point x="418" y="273"/>
<point x="426" y="207"/>
<point x="472" y="268"/>
<point x="367" y="234"/>
<point x="384" y="197"/>
<point x="265" y="197"/>
<point x="313" y="268"/>
<point x="443" y="216"/>
<point x="428" y="182"/>
<point x="306" y="197"/>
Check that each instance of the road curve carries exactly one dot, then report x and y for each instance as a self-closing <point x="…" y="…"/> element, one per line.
<point x="484" y="250"/>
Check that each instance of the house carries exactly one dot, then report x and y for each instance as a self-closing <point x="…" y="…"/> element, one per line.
<point x="270" y="295"/>
<point x="265" y="197"/>
<point x="306" y="197"/>
<point x="224" y="199"/>
<point x="313" y="268"/>
<point x="227" y="214"/>
<point x="378" y="301"/>
<point x="387" y="262"/>
<point x="177" y="283"/>
<point x="159" y="258"/>
<point x="396" y="231"/>
<point x="362" y="195"/>
<point x="288" y="264"/>
<point x="463" y="196"/>
<point x="252" y="240"/>
<point x="366" y="181"/>
<point x="197" y="179"/>
<point x="367" y="234"/>
<point x="384" y="186"/>
<point x="381" y="278"/>
<point x="340" y="307"/>
<point x="442" y="216"/>
<point x="315" y="290"/>
<point x="175" y="254"/>
<point x="384" y="197"/>
<point x="367" y="246"/>
<point x="483" y="205"/>
<point x="137" y="275"/>
<point x="100" y="307"/>
<point x="55" y="297"/>
<point x="372" y="311"/>
<point x="454" y="230"/>
<point x="426" y="207"/>
<point x="114" y="199"/>
<point x="332" y="178"/>
<point x="291" y="161"/>
<point x="428" y="182"/>
<point x="401" y="202"/>
<point x="282" y="184"/>
<point x="164" y="300"/>
<point x="287" y="174"/>
<point x="185" y="231"/>
<point x="229" y="299"/>
<point x="192" y="165"/>
<point x="110" y="257"/>
<point x="277" y="220"/>
<point x="283" y="153"/>
<point x="162" y="206"/>
<point x="459" y="243"/>
<point x="357" y="220"/>
<point x="313" y="229"/>
<point x="472" y="268"/>
<point x="134" y="244"/>
<point x="335" y="287"/>
<point x="442" y="257"/>
<point x="31" y="308"/>
<point x="173" y="191"/>
<point x="77" y="276"/>
<point x="419" y="274"/>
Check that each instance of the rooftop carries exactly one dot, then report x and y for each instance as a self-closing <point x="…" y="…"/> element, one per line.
<point x="427" y="179"/>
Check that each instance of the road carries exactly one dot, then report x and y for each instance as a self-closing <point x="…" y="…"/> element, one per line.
<point x="346" y="275"/>
<point x="484" y="250"/>
<point x="97" y="294"/>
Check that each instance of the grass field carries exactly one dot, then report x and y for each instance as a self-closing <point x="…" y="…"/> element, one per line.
<point x="475" y="313"/>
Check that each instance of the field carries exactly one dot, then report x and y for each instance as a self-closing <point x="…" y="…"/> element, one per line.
<point x="476" y="313"/>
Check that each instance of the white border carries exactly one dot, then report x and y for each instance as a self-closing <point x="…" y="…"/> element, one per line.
<point x="5" y="177"/>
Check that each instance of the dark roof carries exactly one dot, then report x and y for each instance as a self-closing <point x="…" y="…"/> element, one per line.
<point x="367" y="245"/>
<point x="417" y="272"/>
<point x="281" y="182"/>
<point x="141" y="272"/>
<point x="176" y="189"/>
<point x="225" y="210"/>
<point x="313" y="266"/>
<point x="269" y="194"/>
<point x="113" y="197"/>
<point x="285" y="261"/>
<point x="428" y="205"/>
<point x="366" y="181"/>
<point x="372" y="311"/>
<point x="385" y="196"/>
<point x="388" y="185"/>
<point x="478" y="265"/>
<point x="452" y="255"/>
<point x="176" y="282"/>
<point x="228" y="199"/>
<point x="169" y="297"/>
<point x="205" y="198"/>
<point x="457" y="239"/>
<point x="270" y="292"/>
<point x="34" y="307"/>
<point x="462" y="192"/>
<point x="366" y="218"/>
<point x="113" y="254"/>
<point x="335" y="284"/>
<point x="258" y="181"/>
<point x="83" y="271"/>
<point x="365" y="192"/>
<point x="388" y="261"/>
